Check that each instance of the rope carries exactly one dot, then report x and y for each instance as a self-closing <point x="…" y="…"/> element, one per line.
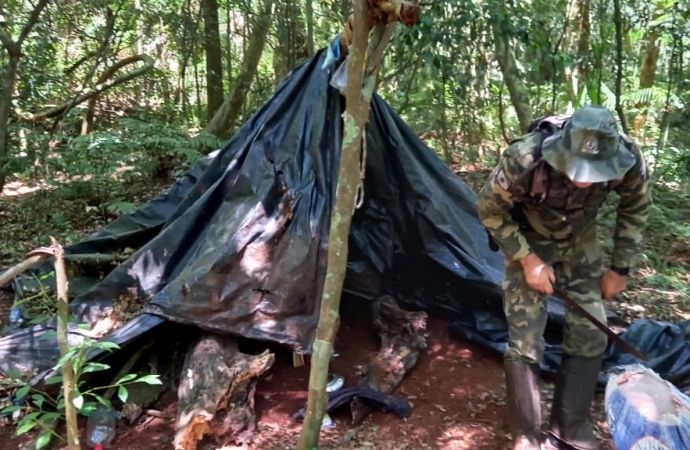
<point x="359" y="196"/>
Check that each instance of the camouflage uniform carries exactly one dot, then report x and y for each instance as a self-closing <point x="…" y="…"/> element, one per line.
<point x="529" y="205"/>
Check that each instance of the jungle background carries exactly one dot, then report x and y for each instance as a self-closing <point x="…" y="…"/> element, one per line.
<point x="105" y="103"/>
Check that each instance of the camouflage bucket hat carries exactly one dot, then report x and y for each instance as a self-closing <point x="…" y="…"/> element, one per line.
<point x="588" y="150"/>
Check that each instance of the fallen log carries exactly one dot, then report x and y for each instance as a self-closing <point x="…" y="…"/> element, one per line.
<point x="216" y="393"/>
<point x="402" y="341"/>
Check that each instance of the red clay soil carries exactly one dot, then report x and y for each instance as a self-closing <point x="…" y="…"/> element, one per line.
<point x="456" y="391"/>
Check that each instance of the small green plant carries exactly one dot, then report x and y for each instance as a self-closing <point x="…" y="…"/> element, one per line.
<point x="44" y="410"/>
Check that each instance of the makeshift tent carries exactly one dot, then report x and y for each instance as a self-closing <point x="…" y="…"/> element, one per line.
<point x="239" y="245"/>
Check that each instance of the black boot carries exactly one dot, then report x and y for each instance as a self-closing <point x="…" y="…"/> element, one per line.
<point x="524" y="406"/>
<point x="570" y="427"/>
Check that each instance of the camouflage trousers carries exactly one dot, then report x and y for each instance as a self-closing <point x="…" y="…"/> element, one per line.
<point x="578" y="266"/>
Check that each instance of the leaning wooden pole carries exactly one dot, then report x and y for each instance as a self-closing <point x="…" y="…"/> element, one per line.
<point x="363" y="68"/>
<point x="58" y="252"/>
<point x="354" y="120"/>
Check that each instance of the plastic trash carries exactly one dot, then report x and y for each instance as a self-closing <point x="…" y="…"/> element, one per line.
<point x="339" y="79"/>
<point x="100" y="428"/>
<point x="335" y="382"/>
<point x="646" y="412"/>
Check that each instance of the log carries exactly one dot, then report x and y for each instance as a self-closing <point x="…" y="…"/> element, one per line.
<point x="646" y="411"/>
<point x="216" y="392"/>
<point x="402" y="341"/>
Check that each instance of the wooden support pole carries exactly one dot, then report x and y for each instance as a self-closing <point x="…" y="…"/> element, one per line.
<point x="363" y="67"/>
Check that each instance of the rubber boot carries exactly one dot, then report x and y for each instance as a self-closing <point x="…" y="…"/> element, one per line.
<point x="524" y="406"/>
<point x="570" y="428"/>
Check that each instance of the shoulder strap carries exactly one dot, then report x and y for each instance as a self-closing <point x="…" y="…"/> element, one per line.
<point x="541" y="174"/>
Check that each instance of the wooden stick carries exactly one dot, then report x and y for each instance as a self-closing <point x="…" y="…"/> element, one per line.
<point x="67" y="368"/>
<point x="355" y="119"/>
<point x="128" y="366"/>
<point x="39" y="255"/>
<point x="22" y="267"/>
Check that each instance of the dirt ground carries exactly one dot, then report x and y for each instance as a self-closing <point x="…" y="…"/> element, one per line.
<point x="456" y="391"/>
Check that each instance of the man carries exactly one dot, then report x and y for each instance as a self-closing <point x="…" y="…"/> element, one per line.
<point x="539" y="205"/>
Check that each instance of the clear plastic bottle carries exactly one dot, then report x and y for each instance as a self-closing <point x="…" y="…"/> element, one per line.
<point x="100" y="428"/>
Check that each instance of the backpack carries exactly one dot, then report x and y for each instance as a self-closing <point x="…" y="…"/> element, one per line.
<point x="539" y="175"/>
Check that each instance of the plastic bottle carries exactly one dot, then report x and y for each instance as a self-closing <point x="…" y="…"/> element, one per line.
<point x="100" y="428"/>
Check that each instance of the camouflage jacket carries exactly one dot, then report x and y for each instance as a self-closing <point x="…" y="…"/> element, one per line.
<point x="511" y="207"/>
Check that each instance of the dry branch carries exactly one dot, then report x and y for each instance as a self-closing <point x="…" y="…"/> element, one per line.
<point x="216" y="392"/>
<point x="22" y="267"/>
<point x="94" y="92"/>
<point x="37" y="256"/>
<point x="87" y="123"/>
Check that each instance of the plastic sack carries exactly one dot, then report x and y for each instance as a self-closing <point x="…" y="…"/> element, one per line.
<point x="645" y="412"/>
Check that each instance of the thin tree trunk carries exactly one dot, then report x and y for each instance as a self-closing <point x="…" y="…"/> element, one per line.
<point x="513" y="79"/>
<point x="363" y="68"/>
<point x="5" y="104"/>
<point x="224" y="120"/>
<point x="214" y="57"/>
<point x="354" y="122"/>
<point x="230" y="28"/>
<point x="62" y="339"/>
<point x="647" y="73"/>
<point x="14" y="52"/>
<point x="309" y="6"/>
<point x="619" y="63"/>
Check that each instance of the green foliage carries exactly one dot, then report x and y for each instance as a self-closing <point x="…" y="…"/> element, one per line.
<point x="43" y="409"/>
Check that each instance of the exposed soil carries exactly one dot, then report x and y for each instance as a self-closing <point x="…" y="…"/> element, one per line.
<point x="456" y="391"/>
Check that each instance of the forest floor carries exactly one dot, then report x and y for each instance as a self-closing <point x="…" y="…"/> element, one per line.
<point x="456" y="389"/>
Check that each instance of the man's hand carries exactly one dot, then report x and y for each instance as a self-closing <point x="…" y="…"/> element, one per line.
<point x="538" y="274"/>
<point x="612" y="284"/>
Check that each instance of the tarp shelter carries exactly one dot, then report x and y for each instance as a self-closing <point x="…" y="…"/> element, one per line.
<point x="239" y="244"/>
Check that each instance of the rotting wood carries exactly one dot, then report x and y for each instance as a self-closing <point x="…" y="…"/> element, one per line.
<point x="216" y="392"/>
<point x="402" y="341"/>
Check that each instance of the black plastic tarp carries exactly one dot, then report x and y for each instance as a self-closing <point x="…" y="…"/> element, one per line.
<point x="239" y="245"/>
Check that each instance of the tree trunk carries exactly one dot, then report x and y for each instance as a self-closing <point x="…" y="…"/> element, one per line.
<point x="309" y="12"/>
<point x="647" y="72"/>
<point x="5" y="104"/>
<point x="513" y="78"/>
<point x="14" y="51"/>
<point x="230" y="29"/>
<point x="354" y="121"/>
<point x="214" y="57"/>
<point x="363" y="65"/>
<point x="292" y="40"/>
<point x="577" y="44"/>
<point x="224" y="120"/>
<point x="618" y="21"/>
